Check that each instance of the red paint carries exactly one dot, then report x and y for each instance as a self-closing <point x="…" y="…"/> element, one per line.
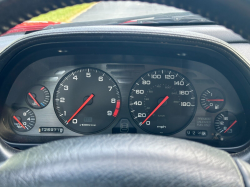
<point x="118" y="104"/>
<point x="30" y="26"/>
<point x="130" y="21"/>
<point x="81" y="107"/>
<point x="161" y="103"/>
<point x="116" y="112"/>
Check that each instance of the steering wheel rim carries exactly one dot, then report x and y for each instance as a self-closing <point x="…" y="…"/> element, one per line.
<point x="33" y="160"/>
<point x="121" y="160"/>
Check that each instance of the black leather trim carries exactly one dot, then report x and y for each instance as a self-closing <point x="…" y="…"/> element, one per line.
<point x="123" y="33"/>
<point x="6" y="151"/>
<point x="121" y="160"/>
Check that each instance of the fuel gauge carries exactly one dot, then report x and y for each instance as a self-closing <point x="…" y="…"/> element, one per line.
<point x="212" y="100"/>
<point x="38" y="97"/>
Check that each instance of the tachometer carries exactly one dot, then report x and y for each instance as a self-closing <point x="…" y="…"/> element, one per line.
<point x="87" y="100"/>
<point x="162" y="101"/>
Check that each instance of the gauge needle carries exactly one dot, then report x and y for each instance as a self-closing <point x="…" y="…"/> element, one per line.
<point x="81" y="107"/>
<point x="230" y="126"/>
<point x="215" y="99"/>
<point x="18" y="121"/>
<point x="33" y="99"/>
<point x="161" y="103"/>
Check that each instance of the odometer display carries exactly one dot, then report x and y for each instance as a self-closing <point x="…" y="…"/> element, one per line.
<point x="87" y="100"/>
<point x="162" y="102"/>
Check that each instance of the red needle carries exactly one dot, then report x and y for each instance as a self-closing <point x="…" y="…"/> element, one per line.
<point x="83" y="105"/>
<point x="18" y="121"/>
<point x="161" y="103"/>
<point x="33" y="99"/>
<point x="230" y="126"/>
<point x="215" y="99"/>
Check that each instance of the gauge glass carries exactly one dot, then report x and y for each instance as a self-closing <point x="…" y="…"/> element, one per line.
<point x="87" y="100"/>
<point x="212" y="100"/>
<point x="226" y="124"/>
<point x="162" y="102"/>
<point x="38" y="97"/>
<point x="23" y="120"/>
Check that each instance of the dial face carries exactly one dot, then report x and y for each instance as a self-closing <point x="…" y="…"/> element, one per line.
<point x="226" y="124"/>
<point x="87" y="100"/>
<point x="38" y="97"/>
<point x="212" y="100"/>
<point x="23" y="120"/>
<point x="162" y="102"/>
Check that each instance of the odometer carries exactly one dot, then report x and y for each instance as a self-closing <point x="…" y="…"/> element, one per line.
<point x="87" y="100"/>
<point x="162" y="102"/>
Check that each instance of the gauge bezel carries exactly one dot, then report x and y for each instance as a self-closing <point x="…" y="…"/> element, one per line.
<point x="54" y="103"/>
<point x="184" y="126"/>
<point x="26" y="99"/>
<point x="238" y="120"/>
<point x="12" y="123"/>
<point x="224" y="96"/>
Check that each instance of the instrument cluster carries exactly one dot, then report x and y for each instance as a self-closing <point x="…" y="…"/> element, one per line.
<point x="187" y="100"/>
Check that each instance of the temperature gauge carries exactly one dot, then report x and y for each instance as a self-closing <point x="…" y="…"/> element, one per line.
<point x="226" y="124"/>
<point x="38" y="97"/>
<point x="23" y="120"/>
<point x="212" y="100"/>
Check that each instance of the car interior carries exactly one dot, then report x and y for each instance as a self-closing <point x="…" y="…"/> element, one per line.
<point x="149" y="100"/>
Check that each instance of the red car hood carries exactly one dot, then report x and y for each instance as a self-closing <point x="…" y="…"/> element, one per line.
<point x="30" y="26"/>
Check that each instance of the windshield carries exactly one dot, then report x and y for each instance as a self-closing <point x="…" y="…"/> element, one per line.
<point x="119" y="10"/>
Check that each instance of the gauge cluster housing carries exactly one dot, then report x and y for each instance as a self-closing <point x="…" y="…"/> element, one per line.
<point x="205" y="65"/>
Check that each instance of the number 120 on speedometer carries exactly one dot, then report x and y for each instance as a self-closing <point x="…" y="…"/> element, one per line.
<point x="162" y="102"/>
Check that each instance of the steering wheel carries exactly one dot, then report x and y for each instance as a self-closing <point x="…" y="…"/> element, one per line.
<point x="126" y="160"/>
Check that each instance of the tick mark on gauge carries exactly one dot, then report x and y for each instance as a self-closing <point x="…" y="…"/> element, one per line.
<point x="99" y="111"/>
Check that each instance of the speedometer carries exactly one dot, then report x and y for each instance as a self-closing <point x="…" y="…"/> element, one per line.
<point x="87" y="100"/>
<point x="162" y="102"/>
